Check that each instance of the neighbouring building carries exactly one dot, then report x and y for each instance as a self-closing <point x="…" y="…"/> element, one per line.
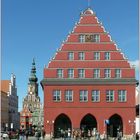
<point x="89" y="84"/>
<point x="4" y="110"/>
<point x="25" y="119"/>
<point x="38" y="117"/>
<point x="30" y="114"/>
<point x="9" y="88"/>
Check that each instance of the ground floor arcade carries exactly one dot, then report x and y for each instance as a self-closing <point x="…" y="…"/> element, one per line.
<point x="103" y="120"/>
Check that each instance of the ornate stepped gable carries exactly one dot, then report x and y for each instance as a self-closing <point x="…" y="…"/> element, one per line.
<point x="89" y="36"/>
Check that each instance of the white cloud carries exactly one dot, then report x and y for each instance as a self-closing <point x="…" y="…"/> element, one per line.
<point x="136" y="64"/>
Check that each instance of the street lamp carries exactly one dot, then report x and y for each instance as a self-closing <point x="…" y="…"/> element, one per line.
<point x="50" y="123"/>
<point x="132" y="123"/>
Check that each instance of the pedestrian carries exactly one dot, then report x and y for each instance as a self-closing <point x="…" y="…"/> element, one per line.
<point x="37" y="135"/>
<point x="89" y="134"/>
<point x="43" y="134"/>
<point x="10" y="135"/>
<point x="65" y="134"/>
<point x="69" y="134"/>
<point x="97" y="135"/>
<point x="137" y="136"/>
<point x="23" y="134"/>
<point x="119" y="135"/>
<point x="26" y="134"/>
<point x="17" y="134"/>
<point x="20" y="135"/>
<point x="62" y="134"/>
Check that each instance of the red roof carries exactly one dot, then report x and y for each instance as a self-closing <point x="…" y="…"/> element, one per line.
<point x="5" y="85"/>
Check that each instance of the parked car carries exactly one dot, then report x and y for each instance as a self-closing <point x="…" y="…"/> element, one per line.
<point x="4" y="135"/>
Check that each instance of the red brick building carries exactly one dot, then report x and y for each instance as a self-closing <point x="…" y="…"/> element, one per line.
<point x="89" y="81"/>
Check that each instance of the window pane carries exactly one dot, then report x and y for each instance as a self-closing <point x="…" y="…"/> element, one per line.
<point x="81" y="73"/>
<point x="95" y="96"/>
<point x="82" y="38"/>
<point x="96" y="55"/>
<point x="83" y="95"/>
<point x="122" y="95"/>
<point x="70" y="73"/>
<point x="96" y="38"/>
<point x="107" y="55"/>
<point x="56" y="95"/>
<point x="96" y="73"/>
<point x="70" y="56"/>
<point x="59" y="73"/>
<point x="117" y="73"/>
<point x="107" y="73"/>
<point x="69" y="95"/>
<point x="109" y="95"/>
<point x="81" y="55"/>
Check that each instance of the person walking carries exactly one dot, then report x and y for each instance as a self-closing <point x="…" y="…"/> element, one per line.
<point x="43" y="134"/>
<point x="89" y="134"/>
<point x="26" y="134"/>
<point x="17" y="134"/>
<point x="97" y="135"/>
<point x="10" y="135"/>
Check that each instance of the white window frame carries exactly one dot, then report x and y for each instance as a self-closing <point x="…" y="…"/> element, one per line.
<point x="96" y="55"/>
<point x="81" y="73"/>
<point x="95" y="96"/>
<point x="110" y="96"/>
<point x="83" y="96"/>
<point x="117" y="73"/>
<point x="59" y="73"/>
<point x="122" y="95"/>
<point x="68" y="95"/>
<point x="107" y="55"/>
<point x="56" y="95"/>
<point x="96" y="38"/>
<point x="107" y="73"/>
<point x="96" y="73"/>
<point x="81" y="38"/>
<point x="70" y="56"/>
<point x="70" y="73"/>
<point x="81" y="55"/>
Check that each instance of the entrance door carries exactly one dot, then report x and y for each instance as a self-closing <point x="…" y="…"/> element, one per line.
<point x="62" y="123"/>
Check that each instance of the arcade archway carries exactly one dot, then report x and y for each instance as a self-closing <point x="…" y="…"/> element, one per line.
<point x="62" y="123"/>
<point x="115" y="125"/>
<point x="88" y="122"/>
